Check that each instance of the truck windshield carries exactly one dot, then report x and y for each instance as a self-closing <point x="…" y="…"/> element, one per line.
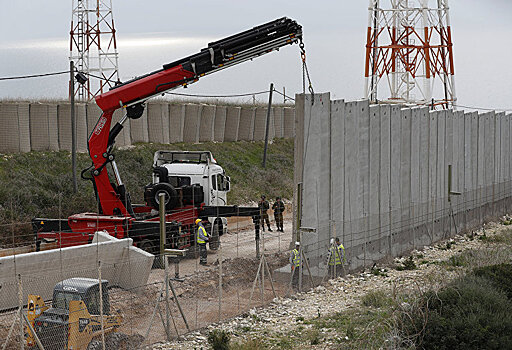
<point x="61" y="299"/>
<point x="184" y="157"/>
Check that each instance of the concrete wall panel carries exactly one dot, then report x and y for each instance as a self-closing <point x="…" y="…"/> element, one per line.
<point x="53" y="131"/>
<point x="39" y="134"/>
<point x="9" y="132"/>
<point x="288" y="122"/>
<point x="81" y="127"/>
<point x="64" y="126"/>
<point x="139" y="128"/>
<point x="24" y="126"/>
<point x="220" y="123"/>
<point x="176" y="122"/>
<point x="207" y="123"/>
<point x="260" y="122"/>
<point x="192" y="123"/>
<point x="278" y="122"/>
<point x="232" y="124"/>
<point x="245" y="129"/>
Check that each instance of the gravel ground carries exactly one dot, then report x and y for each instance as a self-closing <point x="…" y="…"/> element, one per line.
<point x="280" y="317"/>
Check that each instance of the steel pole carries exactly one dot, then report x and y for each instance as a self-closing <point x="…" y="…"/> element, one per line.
<point x="73" y="123"/>
<point x="268" y="125"/>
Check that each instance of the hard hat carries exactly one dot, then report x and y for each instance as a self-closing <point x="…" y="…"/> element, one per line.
<point x="198" y="221"/>
<point x="332" y="240"/>
<point x="297" y="243"/>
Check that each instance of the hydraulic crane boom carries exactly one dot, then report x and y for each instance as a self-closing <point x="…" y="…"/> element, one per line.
<point x="114" y="199"/>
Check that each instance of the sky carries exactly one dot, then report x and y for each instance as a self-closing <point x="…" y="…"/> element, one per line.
<point x="34" y="38"/>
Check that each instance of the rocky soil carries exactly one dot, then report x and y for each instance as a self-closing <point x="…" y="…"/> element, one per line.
<point x="429" y="268"/>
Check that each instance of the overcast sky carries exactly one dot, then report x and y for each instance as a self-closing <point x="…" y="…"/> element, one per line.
<point x="35" y="39"/>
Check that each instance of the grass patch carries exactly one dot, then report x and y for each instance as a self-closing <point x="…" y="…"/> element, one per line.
<point x="39" y="184"/>
<point x="219" y="339"/>
<point x="376" y="299"/>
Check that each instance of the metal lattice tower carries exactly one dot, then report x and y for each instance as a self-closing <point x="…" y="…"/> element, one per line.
<point x="93" y="46"/>
<point x="409" y="44"/>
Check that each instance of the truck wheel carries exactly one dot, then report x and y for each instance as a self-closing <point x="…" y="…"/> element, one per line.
<point x="171" y="196"/>
<point x="214" y="241"/>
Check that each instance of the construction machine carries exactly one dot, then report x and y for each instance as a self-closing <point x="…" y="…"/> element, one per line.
<point x="117" y="214"/>
<point x="74" y="319"/>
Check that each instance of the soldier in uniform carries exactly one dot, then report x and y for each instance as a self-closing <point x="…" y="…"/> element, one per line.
<point x="278" y="208"/>
<point x="264" y="206"/>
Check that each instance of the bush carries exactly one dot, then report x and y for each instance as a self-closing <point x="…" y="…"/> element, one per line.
<point x="375" y="299"/>
<point x="468" y="314"/>
<point x="499" y="275"/>
<point x="219" y="339"/>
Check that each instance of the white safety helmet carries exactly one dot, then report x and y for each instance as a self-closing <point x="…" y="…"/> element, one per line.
<point x="297" y="243"/>
<point x="332" y="240"/>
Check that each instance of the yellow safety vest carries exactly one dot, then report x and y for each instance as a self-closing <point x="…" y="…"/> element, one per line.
<point x="296" y="258"/>
<point x="334" y="258"/>
<point x="341" y="248"/>
<point x="201" y="235"/>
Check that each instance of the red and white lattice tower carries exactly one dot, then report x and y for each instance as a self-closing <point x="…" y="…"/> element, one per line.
<point x="409" y="54"/>
<point x="93" y="46"/>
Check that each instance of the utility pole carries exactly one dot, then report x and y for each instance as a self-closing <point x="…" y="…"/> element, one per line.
<point x="268" y="125"/>
<point x="73" y="123"/>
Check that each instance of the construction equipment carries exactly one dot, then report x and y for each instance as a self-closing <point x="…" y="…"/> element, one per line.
<point x="117" y="214"/>
<point x="74" y="319"/>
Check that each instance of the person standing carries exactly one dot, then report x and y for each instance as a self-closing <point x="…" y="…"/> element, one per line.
<point x="264" y="206"/>
<point x="278" y="208"/>
<point x="295" y="264"/>
<point x="334" y="259"/>
<point x="202" y="238"/>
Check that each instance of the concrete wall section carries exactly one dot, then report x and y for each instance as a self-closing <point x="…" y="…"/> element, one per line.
<point x="207" y="123"/>
<point x="9" y="132"/>
<point x="232" y="125"/>
<point x="219" y="126"/>
<point x="377" y="176"/>
<point x="192" y="123"/>
<point x="39" y="272"/>
<point x="246" y="125"/>
<point x="39" y="127"/>
<point x="176" y="123"/>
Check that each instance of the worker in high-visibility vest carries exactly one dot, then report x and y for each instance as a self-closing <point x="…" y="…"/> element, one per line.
<point x="295" y="264"/>
<point x="202" y="238"/>
<point x="335" y="258"/>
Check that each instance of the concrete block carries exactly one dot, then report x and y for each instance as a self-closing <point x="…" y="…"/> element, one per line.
<point x="53" y="132"/>
<point x="192" y="123"/>
<point x="232" y="123"/>
<point x="116" y="257"/>
<point x="176" y="123"/>
<point x="245" y="130"/>
<point x="207" y="123"/>
<point x="39" y="134"/>
<point x="139" y="131"/>
<point x="288" y="122"/>
<point x="64" y="126"/>
<point x="220" y="123"/>
<point x="337" y="152"/>
<point x="374" y="225"/>
<point x="395" y="200"/>
<point x="81" y="127"/>
<point x="385" y="177"/>
<point x="24" y="126"/>
<point x="260" y="122"/>
<point x="155" y="123"/>
<point x="93" y="115"/>
<point x="405" y="169"/>
<point x="278" y="122"/>
<point x="9" y="132"/>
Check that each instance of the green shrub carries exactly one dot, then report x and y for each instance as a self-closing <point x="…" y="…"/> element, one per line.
<point x="408" y="264"/>
<point x="468" y="314"/>
<point x="219" y="339"/>
<point x="499" y="275"/>
<point x="375" y="299"/>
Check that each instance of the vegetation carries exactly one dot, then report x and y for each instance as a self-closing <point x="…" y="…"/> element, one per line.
<point x="219" y="340"/>
<point x="39" y="184"/>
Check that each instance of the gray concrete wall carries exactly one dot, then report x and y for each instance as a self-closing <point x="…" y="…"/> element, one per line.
<point x="122" y="264"/>
<point x="377" y="175"/>
<point x="47" y="126"/>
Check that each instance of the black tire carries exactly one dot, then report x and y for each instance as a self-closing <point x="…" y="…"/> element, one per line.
<point x="214" y="241"/>
<point x="171" y="196"/>
<point x="95" y="345"/>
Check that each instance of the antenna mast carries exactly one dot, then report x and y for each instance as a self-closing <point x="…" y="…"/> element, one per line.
<point x="409" y="43"/>
<point x="93" y="46"/>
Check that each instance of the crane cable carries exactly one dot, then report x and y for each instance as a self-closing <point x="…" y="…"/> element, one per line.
<point x="305" y="73"/>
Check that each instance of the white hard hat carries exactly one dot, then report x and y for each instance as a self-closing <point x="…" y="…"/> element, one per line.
<point x="297" y="243"/>
<point x="332" y="240"/>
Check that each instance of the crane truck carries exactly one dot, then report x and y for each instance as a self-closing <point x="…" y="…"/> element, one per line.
<point x="184" y="198"/>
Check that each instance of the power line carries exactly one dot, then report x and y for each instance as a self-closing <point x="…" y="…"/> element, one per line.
<point x="486" y="109"/>
<point x="284" y="95"/>
<point x="218" y="96"/>
<point x="34" y="75"/>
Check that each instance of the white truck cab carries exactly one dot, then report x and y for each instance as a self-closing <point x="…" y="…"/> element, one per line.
<point x="188" y="168"/>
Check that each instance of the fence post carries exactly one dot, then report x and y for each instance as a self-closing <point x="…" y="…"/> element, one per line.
<point x="101" y="307"/>
<point x="20" y="299"/>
